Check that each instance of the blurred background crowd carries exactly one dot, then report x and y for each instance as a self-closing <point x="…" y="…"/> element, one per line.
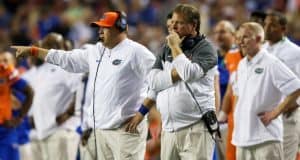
<point x="24" y="22"/>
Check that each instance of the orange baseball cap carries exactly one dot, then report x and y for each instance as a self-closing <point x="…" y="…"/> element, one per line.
<point x="108" y="20"/>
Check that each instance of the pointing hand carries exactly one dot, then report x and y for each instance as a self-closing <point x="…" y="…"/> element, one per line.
<point x="22" y="51"/>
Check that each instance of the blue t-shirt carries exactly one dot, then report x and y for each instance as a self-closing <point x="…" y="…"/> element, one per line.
<point x="223" y="76"/>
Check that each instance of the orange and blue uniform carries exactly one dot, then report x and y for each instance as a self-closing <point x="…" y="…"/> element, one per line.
<point x="232" y="60"/>
<point x="9" y="82"/>
<point x="7" y="78"/>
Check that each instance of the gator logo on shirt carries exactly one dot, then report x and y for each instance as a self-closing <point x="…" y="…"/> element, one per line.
<point x="259" y="70"/>
<point x="116" y="62"/>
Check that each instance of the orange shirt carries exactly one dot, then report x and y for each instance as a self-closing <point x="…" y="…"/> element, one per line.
<point x="232" y="59"/>
<point x="7" y="78"/>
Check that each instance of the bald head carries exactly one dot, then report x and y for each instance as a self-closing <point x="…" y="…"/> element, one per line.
<point x="10" y="58"/>
<point x="226" y="25"/>
<point x="6" y="59"/>
<point x="53" y="40"/>
<point x="224" y="34"/>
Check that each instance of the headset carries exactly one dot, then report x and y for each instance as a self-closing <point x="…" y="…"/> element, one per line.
<point x="189" y="42"/>
<point x="94" y="97"/>
<point x="121" y="22"/>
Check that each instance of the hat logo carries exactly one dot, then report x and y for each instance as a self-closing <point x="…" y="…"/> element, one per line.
<point x="259" y="70"/>
<point x="116" y="62"/>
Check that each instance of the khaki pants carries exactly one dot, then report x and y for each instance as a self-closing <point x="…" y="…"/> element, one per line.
<point x="291" y="135"/>
<point x="62" y="145"/>
<point x="191" y="143"/>
<point x="266" y="151"/>
<point x="25" y="152"/>
<point x="116" y="144"/>
<point x="221" y="145"/>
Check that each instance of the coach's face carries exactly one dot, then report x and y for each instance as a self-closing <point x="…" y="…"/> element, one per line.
<point x="181" y="27"/>
<point x="107" y="35"/>
<point x="247" y="41"/>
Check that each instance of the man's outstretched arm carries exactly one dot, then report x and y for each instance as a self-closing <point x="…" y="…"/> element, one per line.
<point x="30" y="51"/>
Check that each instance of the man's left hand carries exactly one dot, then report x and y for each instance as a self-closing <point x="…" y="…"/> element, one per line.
<point x="131" y="125"/>
<point x="267" y="117"/>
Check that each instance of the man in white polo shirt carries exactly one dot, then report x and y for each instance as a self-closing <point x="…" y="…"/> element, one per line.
<point x="53" y="135"/>
<point x="118" y="67"/>
<point x="289" y="53"/>
<point x="262" y="80"/>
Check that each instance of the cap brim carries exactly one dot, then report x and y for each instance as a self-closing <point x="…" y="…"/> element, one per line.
<point x="99" y="24"/>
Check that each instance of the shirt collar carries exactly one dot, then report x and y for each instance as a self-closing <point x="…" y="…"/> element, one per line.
<point x="257" y="57"/>
<point x="277" y="44"/>
<point x="119" y="44"/>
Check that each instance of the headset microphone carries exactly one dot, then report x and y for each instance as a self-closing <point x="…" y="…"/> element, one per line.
<point x="94" y="96"/>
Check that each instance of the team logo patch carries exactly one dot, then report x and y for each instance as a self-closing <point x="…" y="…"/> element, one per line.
<point x="259" y="70"/>
<point x="116" y="62"/>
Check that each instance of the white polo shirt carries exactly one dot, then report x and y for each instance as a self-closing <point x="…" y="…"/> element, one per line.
<point x="261" y="83"/>
<point x="74" y="121"/>
<point x="120" y="86"/>
<point x="54" y="89"/>
<point x="287" y="52"/>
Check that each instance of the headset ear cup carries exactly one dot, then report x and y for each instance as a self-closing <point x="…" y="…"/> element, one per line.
<point x="188" y="43"/>
<point x="121" y="23"/>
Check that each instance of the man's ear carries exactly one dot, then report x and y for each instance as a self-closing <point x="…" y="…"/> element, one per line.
<point x="284" y="29"/>
<point x="258" y="39"/>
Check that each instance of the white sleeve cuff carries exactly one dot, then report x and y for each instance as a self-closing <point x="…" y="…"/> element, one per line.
<point x="290" y="87"/>
<point x="152" y="94"/>
<point x="50" y="56"/>
<point x="179" y="58"/>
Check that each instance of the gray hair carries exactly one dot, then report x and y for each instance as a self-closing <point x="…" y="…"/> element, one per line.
<point x="256" y="29"/>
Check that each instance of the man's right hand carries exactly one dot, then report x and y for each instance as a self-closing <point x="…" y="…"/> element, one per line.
<point x="22" y="51"/>
<point x="85" y="136"/>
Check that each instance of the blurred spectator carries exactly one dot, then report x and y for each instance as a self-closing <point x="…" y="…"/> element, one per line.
<point x="258" y="17"/>
<point x="53" y="134"/>
<point x="289" y="53"/>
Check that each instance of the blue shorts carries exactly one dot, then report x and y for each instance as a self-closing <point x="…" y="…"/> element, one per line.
<point x="9" y="152"/>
